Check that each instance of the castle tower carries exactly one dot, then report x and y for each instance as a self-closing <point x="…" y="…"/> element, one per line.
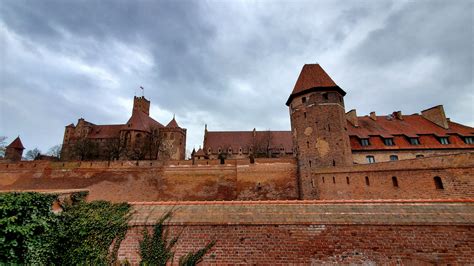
<point x="141" y="104"/>
<point x="318" y="126"/>
<point x="14" y="151"/>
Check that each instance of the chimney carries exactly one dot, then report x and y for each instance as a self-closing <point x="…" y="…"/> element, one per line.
<point x="436" y="115"/>
<point x="352" y="117"/>
<point x="373" y="116"/>
<point x="398" y="115"/>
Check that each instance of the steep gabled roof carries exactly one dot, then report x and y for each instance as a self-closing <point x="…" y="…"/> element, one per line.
<point x="313" y="78"/>
<point x="106" y="131"/>
<point x="200" y="152"/>
<point x="245" y="140"/>
<point x="141" y="121"/>
<point x="16" y="144"/>
<point x="172" y="124"/>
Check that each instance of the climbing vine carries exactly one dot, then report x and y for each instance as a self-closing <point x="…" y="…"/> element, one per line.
<point x="157" y="249"/>
<point x="30" y="233"/>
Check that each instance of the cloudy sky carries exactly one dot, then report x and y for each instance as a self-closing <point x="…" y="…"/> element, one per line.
<point x="230" y="64"/>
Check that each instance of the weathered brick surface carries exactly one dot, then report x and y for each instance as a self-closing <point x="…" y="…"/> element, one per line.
<point x="239" y="180"/>
<point x="405" y="236"/>
<point x="152" y="181"/>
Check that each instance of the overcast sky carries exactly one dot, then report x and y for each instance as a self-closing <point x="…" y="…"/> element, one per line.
<point x="230" y="64"/>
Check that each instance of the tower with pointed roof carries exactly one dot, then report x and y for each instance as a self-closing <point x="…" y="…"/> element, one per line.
<point x="318" y="126"/>
<point x="14" y="151"/>
<point x="175" y="139"/>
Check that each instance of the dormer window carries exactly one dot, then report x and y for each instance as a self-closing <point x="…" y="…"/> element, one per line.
<point x="364" y="142"/>
<point x="444" y="140"/>
<point x="219" y="150"/>
<point x="388" y="142"/>
<point x="229" y="150"/>
<point x="414" y="141"/>
<point x="469" y="140"/>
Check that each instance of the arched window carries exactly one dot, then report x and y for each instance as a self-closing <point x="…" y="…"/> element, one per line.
<point x="323" y="179"/>
<point x="347" y="180"/>
<point x="309" y="163"/>
<point x="307" y="144"/>
<point x="438" y="182"/>
<point x="394" y="181"/>
<point x="393" y="158"/>
<point x="334" y="180"/>
<point x="367" y="181"/>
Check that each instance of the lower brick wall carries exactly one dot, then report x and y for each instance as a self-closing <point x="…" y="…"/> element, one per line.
<point x="282" y="244"/>
<point x="283" y="232"/>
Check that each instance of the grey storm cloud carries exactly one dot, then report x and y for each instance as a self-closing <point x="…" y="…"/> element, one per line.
<point x="230" y="64"/>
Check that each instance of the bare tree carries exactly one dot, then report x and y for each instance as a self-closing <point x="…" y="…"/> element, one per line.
<point x="114" y="148"/>
<point x="33" y="154"/>
<point x="262" y="144"/>
<point x="85" y="149"/>
<point x="2" y="145"/>
<point x="55" y="151"/>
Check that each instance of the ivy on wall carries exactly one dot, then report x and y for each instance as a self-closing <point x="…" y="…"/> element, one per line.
<point x="83" y="233"/>
<point x="30" y="233"/>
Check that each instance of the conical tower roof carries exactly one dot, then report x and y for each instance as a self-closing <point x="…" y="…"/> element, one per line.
<point x="313" y="78"/>
<point x="16" y="144"/>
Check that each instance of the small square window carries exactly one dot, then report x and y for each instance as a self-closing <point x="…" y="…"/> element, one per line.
<point x="388" y="142"/>
<point x="364" y="142"/>
<point x="370" y="159"/>
<point x="393" y="158"/>
<point x="469" y="140"/>
<point x="303" y="99"/>
<point x="414" y="141"/>
<point x="444" y="140"/>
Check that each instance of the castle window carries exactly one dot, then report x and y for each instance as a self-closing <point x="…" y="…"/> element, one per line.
<point x="340" y="98"/>
<point x="219" y="150"/>
<point x="367" y="181"/>
<point x="304" y="114"/>
<point x="229" y="150"/>
<point x="420" y="156"/>
<point x="444" y="140"/>
<point x="347" y="180"/>
<point x="388" y="141"/>
<point x="438" y="182"/>
<point x="208" y="150"/>
<point x="303" y="99"/>
<point x="370" y="159"/>
<point x="309" y="163"/>
<point x="393" y="158"/>
<point x="240" y="150"/>
<point x="394" y="181"/>
<point x="364" y="142"/>
<point x="333" y="180"/>
<point x="307" y="144"/>
<point x="325" y="96"/>
<point x="414" y="141"/>
<point x="469" y="140"/>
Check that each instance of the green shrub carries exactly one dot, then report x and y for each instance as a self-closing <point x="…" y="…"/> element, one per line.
<point x="27" y="228"/>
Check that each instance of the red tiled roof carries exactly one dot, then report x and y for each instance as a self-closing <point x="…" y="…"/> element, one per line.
<point x="411" y="126"/>
<point x="172" y="124"/>
<point x="313" y="76"/>
<point x="141" y="121"/>
<point x="244" y="140"/>
<point x="16" y="144"/>
<point x="106" y="131"/>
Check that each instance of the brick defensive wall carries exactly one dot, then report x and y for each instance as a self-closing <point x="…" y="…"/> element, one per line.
<point x="267" y="179"/>
<point x="317" y="232"/>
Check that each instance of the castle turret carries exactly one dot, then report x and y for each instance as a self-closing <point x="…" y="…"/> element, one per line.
<point x="318" y="125"/>
<point x="14" y="151"/>
<point x="141" y="104"/>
